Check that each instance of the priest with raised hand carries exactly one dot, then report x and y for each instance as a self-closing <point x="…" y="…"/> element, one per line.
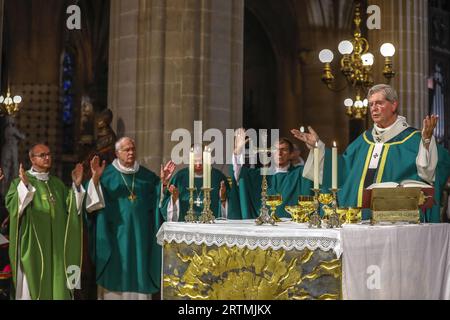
<point x="176" y="199"/>
<point x="125" y="199"/>
<point x="286" y="180"/>
<point x="392" y="151"/>
<point x="45" y="230"/>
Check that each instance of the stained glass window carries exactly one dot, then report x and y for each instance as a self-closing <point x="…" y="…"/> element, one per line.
<point x="67" y="102"/>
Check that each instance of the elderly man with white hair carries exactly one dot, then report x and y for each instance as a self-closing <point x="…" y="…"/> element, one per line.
<point x="392" y="151"/>
<point x="125" y="199"/>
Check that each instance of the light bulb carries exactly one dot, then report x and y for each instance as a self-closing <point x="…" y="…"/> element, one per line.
<point x="367" y="59"/>
<point x="345" y="47"/>
<point x="365" y="102"/>
<point x="326" y="56"/>
<point x="358" y="104"/>
<point x="387" y="50"/>
<point x="2" y="99"/>
<point x="348" y="102"/>
<point x="17" y="99"/>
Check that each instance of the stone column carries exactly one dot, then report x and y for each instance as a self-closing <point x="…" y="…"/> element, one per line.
<point x="171" y="63"/>
<point x="404" y="23"/>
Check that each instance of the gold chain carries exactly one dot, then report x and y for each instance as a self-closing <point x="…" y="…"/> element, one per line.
<point x="51" y="199"/>
<point x="132" y="197"/>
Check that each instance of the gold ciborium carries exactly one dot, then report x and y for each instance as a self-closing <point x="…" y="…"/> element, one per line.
<point x="273" y="201"/>
<point x="349" y="215"/>
<point x="306" y="208"/>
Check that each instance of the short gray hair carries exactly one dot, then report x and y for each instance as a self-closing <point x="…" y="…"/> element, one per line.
<point x="119" y="142"/>
<point x="31" y="150"/>
<point x="389" y="93"/>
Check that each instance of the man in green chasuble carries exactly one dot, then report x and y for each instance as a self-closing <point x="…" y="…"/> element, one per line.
<point x="392" y="151"/>
<point x="125" y="199"/>
<point x="176" y="200"/>
<point x="45" y="230"/>
<point x="286" y="180"/>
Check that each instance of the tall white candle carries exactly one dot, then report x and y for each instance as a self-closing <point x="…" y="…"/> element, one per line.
<point x="191" y="169"/>
<point x="316" y="167"/>
<point x="209" y="168"/>
<point x="205" y="168"/>
<point x="334" y="183"/>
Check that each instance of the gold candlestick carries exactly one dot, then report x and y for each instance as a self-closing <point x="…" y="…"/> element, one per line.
<point x="207" y="215"/>
<point x="264" y="216"/>
<point x="315" y="220"/>
<point x="333" y="219"/>
<point x="190" y="215"/>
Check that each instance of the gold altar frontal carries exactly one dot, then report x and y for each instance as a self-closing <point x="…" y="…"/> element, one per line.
<point x="201" y="272"/>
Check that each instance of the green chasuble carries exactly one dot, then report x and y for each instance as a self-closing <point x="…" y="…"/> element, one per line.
<point x="397" y="163"/>
<point x="122" y="236"/>
<point x="181" y="181"/>
<point x="289" y="184"/>
<point x="47" y="239"/>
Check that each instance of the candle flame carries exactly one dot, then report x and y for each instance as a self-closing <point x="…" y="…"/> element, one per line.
<point x="302" y="129"/>
<point x="317" y="144"/>
<point x="334" y="144"/>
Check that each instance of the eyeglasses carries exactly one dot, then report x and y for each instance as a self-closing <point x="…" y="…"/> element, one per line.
<point x="42" y="155"/>
<point x="128" y="150"/>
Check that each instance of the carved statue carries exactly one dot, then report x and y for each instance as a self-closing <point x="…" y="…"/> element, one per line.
<point x="10" y="152"/>
<point x="104" y="142"/>
<point x="106" y="137"/>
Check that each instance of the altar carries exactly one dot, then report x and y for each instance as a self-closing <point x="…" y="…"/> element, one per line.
<point x="237" y="260"/>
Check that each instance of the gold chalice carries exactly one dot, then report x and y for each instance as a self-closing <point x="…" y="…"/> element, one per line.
<point x="273" y="201"/>
<point x="295" y="212"/>
<point x="306" y="208"/>
<point x="349" y="215"/>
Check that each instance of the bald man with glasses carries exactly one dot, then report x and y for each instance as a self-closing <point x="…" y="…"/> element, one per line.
<point x="45" y="230"/>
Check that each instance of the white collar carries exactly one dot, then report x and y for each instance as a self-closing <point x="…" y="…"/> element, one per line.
<point x="282" y="169"/>
<point x="41" y="176"/>
<point x="382" y="135"/>
<point x="125" y="170"/>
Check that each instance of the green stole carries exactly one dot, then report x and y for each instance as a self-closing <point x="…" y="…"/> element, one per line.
<point x="49" y="235"/>
<point x="181" y="181"/>
<point x="122" y="236"/>
<point x="289" y="184"/>
<point x="397" y="163"/>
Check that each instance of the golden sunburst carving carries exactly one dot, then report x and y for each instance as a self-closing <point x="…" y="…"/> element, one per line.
<point x="224" y="273"/>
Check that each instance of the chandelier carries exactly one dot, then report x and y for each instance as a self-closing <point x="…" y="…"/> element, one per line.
<point x="9" y="106"/>
<point x="356" y="66"/>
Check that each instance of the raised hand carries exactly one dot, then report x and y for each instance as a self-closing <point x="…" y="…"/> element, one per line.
<point x="97" y="169"/>
<point x="167" y="172"/>
<point x="310" y="139"/>
<point x="23" y="176"/>
<point x="223" y="191"/>
<point x="174" y="192"/>
<point x="429" y="123"/>
<point x="239" y="140"/>
<point x="1" y="174"/>
<point x="77" y="174"/>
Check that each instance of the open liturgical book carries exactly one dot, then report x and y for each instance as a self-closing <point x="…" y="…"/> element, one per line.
<point x="403" y="184"/>
<point x="426" y="202"/>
